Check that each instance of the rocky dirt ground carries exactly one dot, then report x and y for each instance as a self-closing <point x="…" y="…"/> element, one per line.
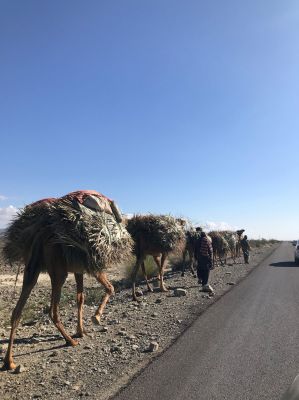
<point x="130" y="336"/>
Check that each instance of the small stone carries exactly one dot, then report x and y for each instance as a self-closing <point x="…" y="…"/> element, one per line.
<point x="154" y="314"/>
<point x="228" y="273"/>
<point x="153" y="346"/>
<point x="88" y="347"/>
<point x="114" y="349"/>
<point x="122" y="333"/>
<point x="139" y="292"/>
<point x="131" y="337"/>
<point x="114" y="322"/>
<point x="20" y="368"/>
<point x="180" y="292"/>
<point x="135" y="347"/>
<point x="158" y="301"/>
<point x="231" y="283"/>
<point x="104" y="329"/>
<point x="67" y="383"/>
<point x="179" y="321"/>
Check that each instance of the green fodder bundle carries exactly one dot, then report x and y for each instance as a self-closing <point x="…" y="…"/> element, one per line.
<point x="163" y="233"/>
<point x="89" y="238"/>
<point x="92" y="238"/>
<point x="23" y="230"/>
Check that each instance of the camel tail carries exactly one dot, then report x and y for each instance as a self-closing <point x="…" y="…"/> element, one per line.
<point x="34" y="265"/>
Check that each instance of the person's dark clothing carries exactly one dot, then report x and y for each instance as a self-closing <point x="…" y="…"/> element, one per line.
<point x="203" y="269"/>
<point x="245" y="248"/>
<point x="203" y="255"/>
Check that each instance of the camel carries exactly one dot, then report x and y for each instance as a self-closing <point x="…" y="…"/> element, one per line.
<point x="220" y="247"/>
<point x="232" y="241"/>
<point x="191" y="237"/>
<point x="156" y="236"/>
<point x="48" y="251"/>
<point x="189" y="250"/>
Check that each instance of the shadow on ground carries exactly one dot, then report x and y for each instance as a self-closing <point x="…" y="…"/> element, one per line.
<point x="285" y="264"/>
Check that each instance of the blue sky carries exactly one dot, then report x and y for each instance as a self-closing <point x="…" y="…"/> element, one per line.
<point x="182" y="107"/>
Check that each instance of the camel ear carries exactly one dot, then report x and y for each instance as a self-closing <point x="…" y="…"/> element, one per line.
<point x="293" y="391"/>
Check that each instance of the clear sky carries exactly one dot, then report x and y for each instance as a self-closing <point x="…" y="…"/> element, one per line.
<point x="167" y="106"/>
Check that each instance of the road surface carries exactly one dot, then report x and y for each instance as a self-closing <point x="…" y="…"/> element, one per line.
<point x="244" y="347"/>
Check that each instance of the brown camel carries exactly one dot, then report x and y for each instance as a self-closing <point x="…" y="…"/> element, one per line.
<point x="49" y="232"/>
<point x="220" y="247"/>
<point x="232" y="240"/>
<point x="192" y="236"/>
<point x="156" y="236"/>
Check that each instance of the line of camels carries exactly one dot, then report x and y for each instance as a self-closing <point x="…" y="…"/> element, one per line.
<point x="33" y="239"/>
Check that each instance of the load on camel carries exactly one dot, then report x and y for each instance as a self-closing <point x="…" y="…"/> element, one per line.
<point x="232" y="240"/>
<point x="220" y="247"/>
<point x="155" y="235"/>
<point x="80" y="233"/>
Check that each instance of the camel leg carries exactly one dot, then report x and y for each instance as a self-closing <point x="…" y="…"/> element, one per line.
<point x="150" y="289"/>
<point x="29" y="282"/>
<point x="162" y="286"/>
<point x="57" y="279"/>
<point x="102" y="278"/>
<point x="80" y="301"/>
<point x="139" y="261"/>
<point x="157" y="261"/>
<point x="184" y="262"/>
<point x="191" y="264"/>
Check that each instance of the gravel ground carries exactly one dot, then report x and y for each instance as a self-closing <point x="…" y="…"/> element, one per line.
<point x="115" y="351"/>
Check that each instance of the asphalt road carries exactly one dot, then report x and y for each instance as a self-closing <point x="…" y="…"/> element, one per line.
<point x="245" y="346"/>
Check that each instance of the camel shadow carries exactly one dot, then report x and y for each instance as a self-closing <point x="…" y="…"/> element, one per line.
<point x="32" y="339"/>
<point x="284" y="264"/>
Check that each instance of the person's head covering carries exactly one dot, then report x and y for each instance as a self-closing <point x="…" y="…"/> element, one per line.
<point x="198" y="229"/>
<point x="245" y="237"/>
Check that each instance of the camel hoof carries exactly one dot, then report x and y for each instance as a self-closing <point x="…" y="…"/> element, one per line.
<point x="150" y="289"/>
<point x="96" y="319"/>
<point x="164" y="289"/>
<point x="80" y="334"/>
<point x="72" y="343"/>
<point x="182" y="274"/>
<point x="8" y="366"/>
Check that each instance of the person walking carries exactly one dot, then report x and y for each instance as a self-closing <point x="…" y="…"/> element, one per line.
<point x="245" y="248"/>
<point x="204" y="256"/>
